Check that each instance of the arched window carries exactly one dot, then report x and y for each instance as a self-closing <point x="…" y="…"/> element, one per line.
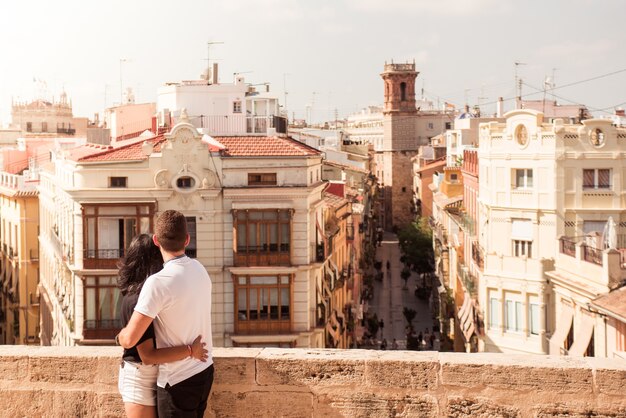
<point x="403" y="91"/>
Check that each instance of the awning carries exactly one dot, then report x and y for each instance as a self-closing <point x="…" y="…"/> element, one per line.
<point x="466" y="317"/>
<point x="562" y="329"/>
<point x="582" y="335"/>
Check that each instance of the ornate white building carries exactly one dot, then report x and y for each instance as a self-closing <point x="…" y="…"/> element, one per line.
<point x="253" y="206"/>
<point x="539" y="181"/>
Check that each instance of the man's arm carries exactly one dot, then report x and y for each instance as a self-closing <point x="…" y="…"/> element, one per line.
<point x="131" y="333"/>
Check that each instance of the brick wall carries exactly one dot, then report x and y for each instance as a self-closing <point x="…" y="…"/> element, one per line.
<point x="82" y="381"/>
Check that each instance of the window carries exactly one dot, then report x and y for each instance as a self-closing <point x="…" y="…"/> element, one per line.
<point x="403" y="189"/>
<point x="403" y="91"/>
<point x="513" y="312"/>
<point x="263" y="304"/>
<point x="117" y="181"/>
<point x="454" y="178"/>
<point x="522" y="248"/>
<point x="237" y="106"/>
<point x="513" y="315"/>
<point x="44" y="126"/>
<point x="261" y="179"/>
<point x="533" y="318"/>
<point x="102" y="304"/>
<point x="494" y="313"/>
<point x="29" y="126"/>
<point x="108" y="230"/>
<point x="262" y="237"/>
<point x="431" y="125"/>
<point x="191" y="249"/>
<point x="448" y="125"/>
<point x="597" y="178"/>
<point x="185" y="182"/>
<point x="523" y="178"/>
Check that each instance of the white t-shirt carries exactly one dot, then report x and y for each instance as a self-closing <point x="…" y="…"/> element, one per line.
<point x="179" y="299"/>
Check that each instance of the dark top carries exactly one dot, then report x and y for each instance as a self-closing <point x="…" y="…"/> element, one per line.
<point x="128" y="306"/>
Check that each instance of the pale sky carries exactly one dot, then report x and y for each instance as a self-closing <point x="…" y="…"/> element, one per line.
<point x="332" y="51"/>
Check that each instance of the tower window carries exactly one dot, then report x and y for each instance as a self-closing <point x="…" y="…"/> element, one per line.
<point x="403" y="91"/>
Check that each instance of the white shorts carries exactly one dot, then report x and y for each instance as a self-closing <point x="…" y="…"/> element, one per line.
<point x="137" y="383"/>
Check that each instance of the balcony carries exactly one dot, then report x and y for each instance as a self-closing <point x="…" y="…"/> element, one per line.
<point x="105" y="329"/>
<point x="238" y="124"/>
<point x="478" y="255"/>
<point x="67" y="131"/>
<point x="581" y="257"/>
<point x="319" y="253"/>
<point x="267" y="382"/>
<point x="102" y="259"/>
<point x="350" y="232"/>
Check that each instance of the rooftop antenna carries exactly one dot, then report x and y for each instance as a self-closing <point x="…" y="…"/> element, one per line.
<point x="208" y="52"/>
<point x="285" y="92"/>
<point x="553" y="83"/>
<point x="518" y="83"/>
<point x="122" y="60"/>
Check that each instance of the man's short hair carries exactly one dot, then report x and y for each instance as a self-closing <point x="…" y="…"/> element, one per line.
<point x="171" y="230"/>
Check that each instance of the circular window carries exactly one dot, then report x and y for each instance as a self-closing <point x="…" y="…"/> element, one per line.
<point x="521" y="135"/>
<point x="185" y="183"/>
<point x="597" y="137"/>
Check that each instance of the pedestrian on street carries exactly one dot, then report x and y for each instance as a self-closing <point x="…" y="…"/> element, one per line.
<point x="383" y="344"/>
<point x="394" y="344"/>
<point x="381" y="325"/>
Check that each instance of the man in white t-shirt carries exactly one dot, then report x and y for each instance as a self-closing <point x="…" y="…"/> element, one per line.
<point x="178" y="300"/>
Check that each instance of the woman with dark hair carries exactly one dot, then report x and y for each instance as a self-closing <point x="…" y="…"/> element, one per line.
<point x="138" y="370"/>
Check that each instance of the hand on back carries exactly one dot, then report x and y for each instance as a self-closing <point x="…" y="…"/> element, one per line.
<point x="198" y="351"/>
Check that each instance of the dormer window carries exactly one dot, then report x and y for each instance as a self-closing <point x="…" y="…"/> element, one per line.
<point x="261" y="179"/>
<point x="118" y="182"/>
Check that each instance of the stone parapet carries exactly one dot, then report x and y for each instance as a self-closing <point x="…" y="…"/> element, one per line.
<point x="82" y="381"/>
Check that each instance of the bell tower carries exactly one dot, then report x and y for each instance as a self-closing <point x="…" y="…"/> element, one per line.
<point x="399" y="82"/>
<point x="400" y="143"/>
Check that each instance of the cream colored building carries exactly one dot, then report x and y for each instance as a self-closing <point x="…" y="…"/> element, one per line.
<point x="539" y="181"/>
<point x="252" y="204"/>
<point x="44" y="117"/>
<point x="19" y="262"/>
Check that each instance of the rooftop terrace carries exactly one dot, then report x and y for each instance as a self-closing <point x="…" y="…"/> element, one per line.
<point x="82" y="381"/>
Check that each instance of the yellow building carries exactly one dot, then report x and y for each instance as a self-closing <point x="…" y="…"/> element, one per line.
<point x="19" y="264"/>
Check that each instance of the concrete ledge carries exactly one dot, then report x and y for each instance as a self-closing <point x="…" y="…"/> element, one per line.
<point x="82" y="381"/>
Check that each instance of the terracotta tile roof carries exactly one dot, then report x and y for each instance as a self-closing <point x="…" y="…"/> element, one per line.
<point x="334" y="201"/>
<point x="83" y="151"/>
<point x="126" y="152"/>
<point x="613" y="302"/>
<point x="235" y="146"/>
<point x="264" y="146"/>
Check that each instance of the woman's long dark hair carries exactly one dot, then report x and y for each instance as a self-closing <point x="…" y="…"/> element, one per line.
<point x="142" y="259"/>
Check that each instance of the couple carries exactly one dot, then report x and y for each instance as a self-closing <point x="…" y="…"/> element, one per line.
<point x="172" y="314"/>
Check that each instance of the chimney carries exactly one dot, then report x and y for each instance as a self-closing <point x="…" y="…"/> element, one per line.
<point x="214" y="75"/>
<point x="499" y="106"/>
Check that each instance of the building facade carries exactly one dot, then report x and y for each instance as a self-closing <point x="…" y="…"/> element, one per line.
<point x="19" y="266"/>
<point x="251" y="203"/>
